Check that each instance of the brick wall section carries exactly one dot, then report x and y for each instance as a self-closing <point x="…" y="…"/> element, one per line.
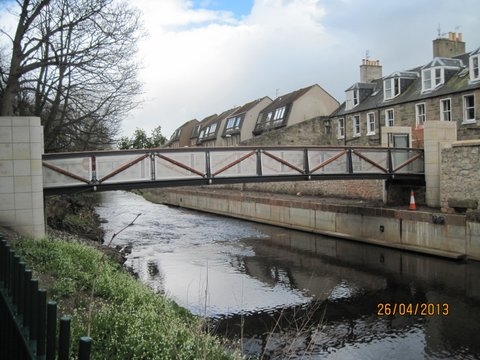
<point x="460" y="172"/>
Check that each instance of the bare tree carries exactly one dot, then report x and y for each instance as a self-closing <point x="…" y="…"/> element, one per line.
<point x="72" y="64"/>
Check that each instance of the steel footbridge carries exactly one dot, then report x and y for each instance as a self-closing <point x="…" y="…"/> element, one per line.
<point x="149" y="168"/>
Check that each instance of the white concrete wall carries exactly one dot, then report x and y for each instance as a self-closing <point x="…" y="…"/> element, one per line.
<point x="401" y="229"/>
<point x="21" y="181"/>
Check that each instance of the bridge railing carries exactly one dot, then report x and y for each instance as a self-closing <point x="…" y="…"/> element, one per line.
<point x="108" y="170"/>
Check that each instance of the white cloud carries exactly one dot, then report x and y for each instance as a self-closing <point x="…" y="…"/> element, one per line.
<point x="204" y="62"/>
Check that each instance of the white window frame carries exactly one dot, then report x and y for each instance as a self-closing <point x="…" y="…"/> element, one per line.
<point x="393" y="88"/>
<point x="279" y="113"/>
<point x="432" y="78"/>
<point x="233" y="123"/>
<point x="230" y="123"/>
<point x="212" y="128"/>
<point x="357" y="131"/>
<point x="389" y="121"/>
<point x="371" y="123"/>
<point x="474" y="69"/>
<point x="356" y="97"/>
<point x="341" y="128"/>
<point x="466" y="110"/>
<point x="446" y="112"/>
<point x="420" y="113"/>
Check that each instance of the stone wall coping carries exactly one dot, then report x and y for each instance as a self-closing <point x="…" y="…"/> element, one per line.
<point x="475" y="142"/>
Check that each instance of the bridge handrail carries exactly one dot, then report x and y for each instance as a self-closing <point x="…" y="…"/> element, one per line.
<point x="65" y="155"/>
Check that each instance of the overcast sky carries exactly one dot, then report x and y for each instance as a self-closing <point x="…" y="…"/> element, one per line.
<point x="205" y="56"/>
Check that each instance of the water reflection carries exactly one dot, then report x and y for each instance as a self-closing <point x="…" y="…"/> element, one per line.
<point x="348" y="281"/>
<point x="286" y="294"/>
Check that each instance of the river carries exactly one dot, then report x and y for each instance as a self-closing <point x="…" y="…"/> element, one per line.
<point x="287" y="294"/>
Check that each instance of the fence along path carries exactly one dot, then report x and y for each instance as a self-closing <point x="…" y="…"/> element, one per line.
<point x="29" y="322"/>
<point x="128" y="169"/>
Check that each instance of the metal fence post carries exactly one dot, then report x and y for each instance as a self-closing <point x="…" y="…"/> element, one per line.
<point x="51" y="329"/>
<point x="21" y="288"/>
<point x="84" y="347"/>
<point x="26" y="300"/>
<point x="42" y="314"/>
<point x="64" y="338"/>
<point x="33" y="310"/>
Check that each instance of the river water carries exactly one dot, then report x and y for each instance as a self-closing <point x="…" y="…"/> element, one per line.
<point x="291" y="295"/>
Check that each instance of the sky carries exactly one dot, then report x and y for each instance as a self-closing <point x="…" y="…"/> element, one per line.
<point x="202" y="57"/>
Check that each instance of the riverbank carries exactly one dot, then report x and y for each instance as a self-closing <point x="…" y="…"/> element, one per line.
<point x="424" y="230"/>
<point x="129" y="320"/>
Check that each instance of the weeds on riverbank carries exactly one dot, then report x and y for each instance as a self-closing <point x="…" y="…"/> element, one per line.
<point x="129" y="320"/>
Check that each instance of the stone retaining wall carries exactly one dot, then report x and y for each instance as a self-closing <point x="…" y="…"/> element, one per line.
<point x="460" y="176"/>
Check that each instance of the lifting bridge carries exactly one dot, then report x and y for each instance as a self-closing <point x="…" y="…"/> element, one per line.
<point x="148" y="168"/>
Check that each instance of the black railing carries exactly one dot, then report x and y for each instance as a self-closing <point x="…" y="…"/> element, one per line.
<point x="28" y="322"/>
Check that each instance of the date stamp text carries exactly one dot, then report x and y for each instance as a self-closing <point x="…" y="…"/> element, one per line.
<point x="411" y="309"/>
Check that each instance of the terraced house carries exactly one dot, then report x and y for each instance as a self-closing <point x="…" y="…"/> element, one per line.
<point x="181" y="136"/>
<point x="392" y="110"/>
<point x="294" y="108"/>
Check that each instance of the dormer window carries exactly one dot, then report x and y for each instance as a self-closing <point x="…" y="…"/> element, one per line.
<point x="352" y="98"/>
<point x="196" y="130"/>
<point x="176" y="134"/>
<point x="355" y="97"/>
<point x="438" y="71"/>
<point x="391" y="88"/>
<point x="233" y="125"/>
<point x="432" y="77"/>
<point x="474" y="71"/>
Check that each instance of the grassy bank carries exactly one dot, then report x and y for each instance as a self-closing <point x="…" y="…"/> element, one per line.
<point x="128" y="320"/>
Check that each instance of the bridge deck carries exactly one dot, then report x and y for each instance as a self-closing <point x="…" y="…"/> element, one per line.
<point x="129" y="169"/>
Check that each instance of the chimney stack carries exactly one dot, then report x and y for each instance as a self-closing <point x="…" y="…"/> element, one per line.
<point x="449" y="47"/>
<point x="370" y="70"/>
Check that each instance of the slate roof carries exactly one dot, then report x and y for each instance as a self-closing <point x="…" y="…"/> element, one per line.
<point x="286" y="99"/>
<point x="246" y="107"/>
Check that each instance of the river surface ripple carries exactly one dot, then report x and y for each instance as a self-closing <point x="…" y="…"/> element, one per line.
<point x="287" y="294"/>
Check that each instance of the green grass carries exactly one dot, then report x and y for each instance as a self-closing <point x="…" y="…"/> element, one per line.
<point x="129" y="321"/>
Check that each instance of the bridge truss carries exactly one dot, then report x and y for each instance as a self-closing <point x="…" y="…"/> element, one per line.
<point x="130" y="169"/>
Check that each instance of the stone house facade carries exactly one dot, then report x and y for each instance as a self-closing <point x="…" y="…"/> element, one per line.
<point x="445" y="89"/>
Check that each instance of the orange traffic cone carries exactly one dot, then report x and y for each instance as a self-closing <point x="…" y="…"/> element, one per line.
<point x="412" y="201"/>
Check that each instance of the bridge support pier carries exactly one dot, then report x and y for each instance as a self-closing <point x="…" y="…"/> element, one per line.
<point x="437" y="135"/>
<point x="21" y="179"/>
